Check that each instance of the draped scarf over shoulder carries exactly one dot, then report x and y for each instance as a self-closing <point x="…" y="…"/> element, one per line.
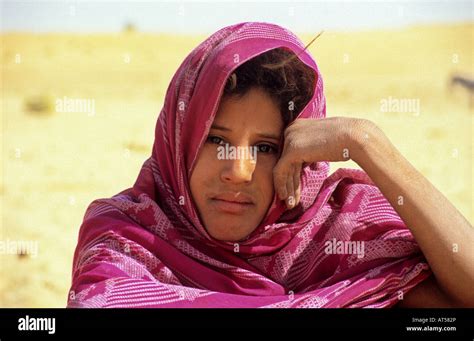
<point x="146" y="246"/>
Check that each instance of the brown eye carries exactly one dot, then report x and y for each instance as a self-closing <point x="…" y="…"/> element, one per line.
<point x="267" y="149"/>
<point x="215" y="139"/>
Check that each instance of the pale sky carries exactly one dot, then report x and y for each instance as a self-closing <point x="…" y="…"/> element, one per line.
<point x="207" y="17"/>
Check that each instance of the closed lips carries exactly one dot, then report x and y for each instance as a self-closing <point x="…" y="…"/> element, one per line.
<point x="238" y="198"/>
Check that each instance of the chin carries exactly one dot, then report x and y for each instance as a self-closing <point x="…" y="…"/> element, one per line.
<point x="227" y="233"/>
<point x="228" y="238"/>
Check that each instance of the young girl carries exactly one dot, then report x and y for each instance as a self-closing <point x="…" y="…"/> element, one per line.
<point x="207" y="225"/>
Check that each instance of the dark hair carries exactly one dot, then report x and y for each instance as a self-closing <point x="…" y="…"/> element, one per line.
<point x="281" y="74"/>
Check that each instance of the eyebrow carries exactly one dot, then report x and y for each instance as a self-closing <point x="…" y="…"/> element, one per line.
<point x="265" y="135"/>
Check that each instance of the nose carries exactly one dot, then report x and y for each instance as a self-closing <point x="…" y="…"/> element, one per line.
<point x="238" y="170"/>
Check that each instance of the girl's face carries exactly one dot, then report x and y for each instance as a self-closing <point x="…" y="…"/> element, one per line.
<point x="232" y="182"/>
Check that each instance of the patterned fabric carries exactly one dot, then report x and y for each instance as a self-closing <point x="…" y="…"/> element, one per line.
<point x="146" y="247"/>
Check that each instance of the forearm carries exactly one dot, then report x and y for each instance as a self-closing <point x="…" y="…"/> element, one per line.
<point x="445" y="237"/>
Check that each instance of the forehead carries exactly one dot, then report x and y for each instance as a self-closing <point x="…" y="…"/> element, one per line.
<point x="255" y="108"/>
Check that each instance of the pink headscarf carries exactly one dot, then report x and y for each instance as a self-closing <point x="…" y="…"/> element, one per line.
<point x="146" y="246"/>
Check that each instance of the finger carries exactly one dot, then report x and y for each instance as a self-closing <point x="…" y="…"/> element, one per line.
<point x="279" y="181"/>
<point x="297" y="183"/>
<point x="290" y="201"/>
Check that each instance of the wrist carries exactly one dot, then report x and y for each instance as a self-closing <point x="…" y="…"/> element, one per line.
<point x="363" y="135"/>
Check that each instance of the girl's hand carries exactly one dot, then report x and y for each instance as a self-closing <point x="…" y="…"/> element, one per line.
<point x="313" y="140"/>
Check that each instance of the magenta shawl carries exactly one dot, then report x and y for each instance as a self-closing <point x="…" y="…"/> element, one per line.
<point x="146" y="247"/>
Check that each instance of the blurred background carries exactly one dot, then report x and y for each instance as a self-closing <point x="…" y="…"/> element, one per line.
<point x="82" y="84"/>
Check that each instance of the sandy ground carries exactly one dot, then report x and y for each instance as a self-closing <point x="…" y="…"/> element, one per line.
<point x="54" y="165"/>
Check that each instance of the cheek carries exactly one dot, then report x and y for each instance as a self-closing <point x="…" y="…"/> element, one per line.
<point x="203" y="174"/>
<point x="264" y="178"/>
